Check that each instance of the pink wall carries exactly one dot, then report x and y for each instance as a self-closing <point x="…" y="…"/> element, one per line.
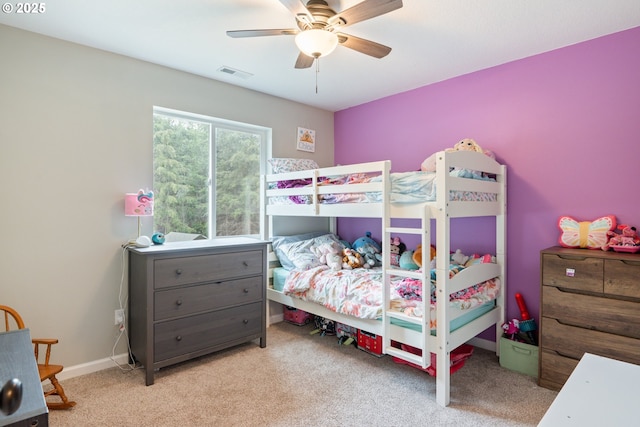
<point x="566" y="123"/>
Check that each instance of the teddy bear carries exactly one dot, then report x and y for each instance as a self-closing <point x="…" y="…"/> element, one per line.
<point x="351" y="259"/>
<point x="329" y="254"/>
<point x="396" y="248"/>
<point x="628" y="236"/>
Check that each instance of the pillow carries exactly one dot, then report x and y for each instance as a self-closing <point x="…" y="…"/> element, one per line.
<point x="278" y="241"/>
<point x="585" y="234"/>
<point x="284" y="165"/>
<point x="298" y="254"/>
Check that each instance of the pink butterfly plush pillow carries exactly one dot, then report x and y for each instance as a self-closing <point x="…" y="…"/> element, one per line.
<point x="585" y="234"/>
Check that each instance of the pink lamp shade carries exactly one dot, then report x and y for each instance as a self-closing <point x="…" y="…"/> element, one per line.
<point x="138" y="204"/>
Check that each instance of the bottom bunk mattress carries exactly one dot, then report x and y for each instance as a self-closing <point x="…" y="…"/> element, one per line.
<point x="358" y="293"/>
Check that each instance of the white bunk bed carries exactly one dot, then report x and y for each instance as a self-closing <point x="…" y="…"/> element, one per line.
<point x="442" y="210"/>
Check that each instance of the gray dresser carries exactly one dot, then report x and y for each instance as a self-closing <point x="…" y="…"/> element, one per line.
<point x="188" y="299"/>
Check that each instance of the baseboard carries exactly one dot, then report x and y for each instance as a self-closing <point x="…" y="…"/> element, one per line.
<point x="483" y="343"/>
<point x="276" y="318"/>
<point x="95" y="366"/>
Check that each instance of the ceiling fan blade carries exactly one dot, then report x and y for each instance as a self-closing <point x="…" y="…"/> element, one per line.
<point x="298" y="9"/>
<point x="367" y="47"/>
<point x="260" y="33"/>
<point x="304" y="61"/>
<point x="364" y="10"/>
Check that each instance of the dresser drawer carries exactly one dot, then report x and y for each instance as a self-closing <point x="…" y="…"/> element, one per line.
<point x="573" y="272"/>
<point x="622" y="277"/>
<point x="555" y="369"/>
<point x="603" y="314"/>
<point x="205" y="331"/>
<point x="206" y="268"/>
<point x="194" y="299"/>
<point x="573" y="342"/>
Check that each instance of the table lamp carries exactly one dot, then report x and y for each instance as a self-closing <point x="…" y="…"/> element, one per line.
<point x="139" y="204"/>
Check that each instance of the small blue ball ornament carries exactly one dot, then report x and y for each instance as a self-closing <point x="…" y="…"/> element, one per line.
<point x="157" y="238"/>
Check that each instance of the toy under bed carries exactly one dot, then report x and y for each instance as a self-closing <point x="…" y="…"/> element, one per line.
<point x="358" y="293"/>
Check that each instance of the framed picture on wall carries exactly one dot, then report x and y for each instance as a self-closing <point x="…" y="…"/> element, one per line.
<point x="306" y="140"/>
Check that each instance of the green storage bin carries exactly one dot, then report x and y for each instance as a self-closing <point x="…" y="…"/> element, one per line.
<point x="518" y="356"/>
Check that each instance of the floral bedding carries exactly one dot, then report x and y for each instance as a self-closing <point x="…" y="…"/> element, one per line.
<point x="406" y="187"/>
<point x="358" y="292"/>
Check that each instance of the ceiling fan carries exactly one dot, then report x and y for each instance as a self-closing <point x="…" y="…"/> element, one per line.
<point x="319" y="26"/>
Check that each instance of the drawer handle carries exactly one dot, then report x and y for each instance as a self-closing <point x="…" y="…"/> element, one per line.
<point x="178" y="271"/>
<point x="245" y="263"/>
<point x="572" y="257"/>
<point x="179" y="302"/>
<point x="179" y="338"/>
<point x="245" y="321"/>
<point x="245" y="290"/>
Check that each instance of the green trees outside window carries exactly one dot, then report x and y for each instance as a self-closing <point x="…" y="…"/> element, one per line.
<point x="206" y="175"/>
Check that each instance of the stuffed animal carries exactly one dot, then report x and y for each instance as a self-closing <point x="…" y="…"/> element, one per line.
<point x="628" y="236"/>
<point x="369" y="249"/>
<point x="329" y="254"/>
<point x="511" y="329"/>
<point x="370" y="256"/>
<point x="467" y="144"/>
<point x="480" y="259"/>
<point x="417" y="254"/>
<point x="351" y="259"/>
<point x="459" y="258"/>
<point x="406" y="261"/>
<point x="366" y="240"/>
<point x="396" y="248"/>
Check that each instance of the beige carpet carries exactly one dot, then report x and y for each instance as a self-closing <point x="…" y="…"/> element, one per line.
<point x="303" y="380"/>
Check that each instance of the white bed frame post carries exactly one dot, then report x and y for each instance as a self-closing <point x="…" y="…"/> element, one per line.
<point x="443" y="248"/>
<point x="501" y="252"/>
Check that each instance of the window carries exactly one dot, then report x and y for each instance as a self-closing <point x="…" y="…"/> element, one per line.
<point x="206" y="174"/>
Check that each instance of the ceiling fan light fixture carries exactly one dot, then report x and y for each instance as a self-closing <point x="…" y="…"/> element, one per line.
<point x="316" y="43"/>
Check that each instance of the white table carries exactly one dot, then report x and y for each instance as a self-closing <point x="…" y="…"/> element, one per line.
<point x="599" y="392"/>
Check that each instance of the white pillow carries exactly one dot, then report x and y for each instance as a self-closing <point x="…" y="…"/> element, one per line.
<point x="278" y="241"/>
<point x="299" y="253"/>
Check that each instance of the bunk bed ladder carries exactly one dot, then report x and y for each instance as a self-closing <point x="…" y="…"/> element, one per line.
<point x="420" y="324"/>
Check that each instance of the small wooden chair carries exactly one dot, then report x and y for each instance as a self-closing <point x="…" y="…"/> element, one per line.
<point x="47" y="371"/>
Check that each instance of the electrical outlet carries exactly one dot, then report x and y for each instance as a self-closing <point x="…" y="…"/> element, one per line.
<point x="119" y="317"/>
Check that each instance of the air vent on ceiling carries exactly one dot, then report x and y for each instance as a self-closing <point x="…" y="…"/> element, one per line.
<point x="233" y="72"/>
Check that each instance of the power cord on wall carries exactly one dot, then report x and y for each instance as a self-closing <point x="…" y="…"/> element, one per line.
<point x="122" y="327"/>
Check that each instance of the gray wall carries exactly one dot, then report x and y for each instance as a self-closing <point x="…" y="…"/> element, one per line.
<point x="75" y="135"/>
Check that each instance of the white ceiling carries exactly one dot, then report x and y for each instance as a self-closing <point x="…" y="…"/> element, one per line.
<point x="432" y="40"/>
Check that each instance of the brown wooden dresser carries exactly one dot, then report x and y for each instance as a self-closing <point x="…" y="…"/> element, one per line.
<point x="590" y="302"/>
<point x="187" y="299"/>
